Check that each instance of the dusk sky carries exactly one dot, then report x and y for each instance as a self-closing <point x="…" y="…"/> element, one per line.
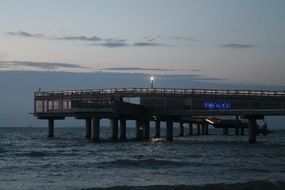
<point x="240" y="41"/>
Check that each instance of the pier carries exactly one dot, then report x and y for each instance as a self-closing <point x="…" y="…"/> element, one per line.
<point x="188" y="107"/>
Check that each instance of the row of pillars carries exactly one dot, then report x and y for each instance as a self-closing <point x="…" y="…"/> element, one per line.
<point x="92" y="126"/>
<point x="143" y="129"/>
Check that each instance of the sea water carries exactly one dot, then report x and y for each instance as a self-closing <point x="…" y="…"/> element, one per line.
<point x="30" y="160"/>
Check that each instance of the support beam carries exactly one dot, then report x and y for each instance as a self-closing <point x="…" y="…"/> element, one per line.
<point x="181" y="126"/>
<point x="157" y="128"/>
<point x="252" y="129"/>
<point x="139" y="129"/>
<point x="198" y="128"/>
<point x="88" y="123"/>
<point x="190" y="128"/>
<point x="50" y="127"/>
<point x="95" y="131"/>
<point x="169" y="130"/>
<point x="123" y="129"/>
<point x="114" y="129"/>
<point x="146" y="129"/>
<point x="225" y="131"/>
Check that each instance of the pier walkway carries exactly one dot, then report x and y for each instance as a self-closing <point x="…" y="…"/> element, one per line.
<point x="186" y="106"/>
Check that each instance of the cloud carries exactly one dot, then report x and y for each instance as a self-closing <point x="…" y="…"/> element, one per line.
<point x="71" y="38"/>
<point x="46" y="65"/>
<point x="109" y="42"/>
<point x="80" y="38"/>
<point x="134" y="69"/>
<point x="190" y="39"/>
<point x="151" y="39"/>
<point x="119" y="44"/>
<point x="98" y="41"/>
<point x="148" y="44"/>
<point x="196" y="77"/>
<point x="238" y="46"/>
<point x="115" y="40"/>
<point x="38" y="65"/>
<point x="25" y="34"/>
<point x="113" y="44"/>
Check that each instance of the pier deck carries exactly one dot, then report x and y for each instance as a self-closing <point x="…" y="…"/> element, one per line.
<point x="156" y="104"/>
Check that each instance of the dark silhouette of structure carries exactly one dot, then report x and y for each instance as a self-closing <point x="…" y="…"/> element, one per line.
<point x="192" y="106"/>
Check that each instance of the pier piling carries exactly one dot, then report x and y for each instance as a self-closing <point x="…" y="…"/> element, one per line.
<point x="50" y="127"/>
<point x="252" y="129"/>
<point x="198" y="128"/>
<point x="114" y="129"/>
<point x="169" y="130"/>
<point x="157" y="128"/>
<point x="139" y="129"/>
<point x="95" y="131"/>
<point x="225" y="131"/>
<point x="190" y="128"/>
<point x="123" y="129"/>
<point x="206" y="129"/>
<point x="146" y="129"/>
<point x="88" y="123"/>
<point x="181" y="126"/>
<point x="242" y="131"/>
<point x="237" y="131"/>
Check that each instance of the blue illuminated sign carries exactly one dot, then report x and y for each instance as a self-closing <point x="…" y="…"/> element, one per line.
<point x="217" y="105"/>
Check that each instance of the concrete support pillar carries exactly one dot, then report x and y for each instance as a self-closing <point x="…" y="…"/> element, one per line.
<point x="264" y="129"/>
<point x="123" y="129"/>
<point x="114" y="128"/>
<point x="237" y="131"/>
<point x="191" y="128"/>
<point x="241" y="131"/>
<point x="203" y="129"/>
<point x="252" y="130"/>
<point x="225" y="131"/>
<point x="198" y="128"/>
<point x="50" y="127"/>
<point x="157" y="128"/>
<point x="206" y="129"/>
<point x="95" y="130"/>
<point x="181" y="126"/>
<point x="169" y="130"/>
<point x="139" y="129"/>
<point x="146" y="129"/>
<point x="88" y="123"/>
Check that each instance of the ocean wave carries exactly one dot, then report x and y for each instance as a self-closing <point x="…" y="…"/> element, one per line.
<point x="2" y="150"/>
<point x="251" y="185"/>
<point x="142" y="163"/>
<point x="36" y="154"/>
<point x="257" y="170"/>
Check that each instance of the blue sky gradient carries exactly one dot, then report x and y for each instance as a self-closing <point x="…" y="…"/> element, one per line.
<point x="106" y="43"/>
<point x="241" y="41"/>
